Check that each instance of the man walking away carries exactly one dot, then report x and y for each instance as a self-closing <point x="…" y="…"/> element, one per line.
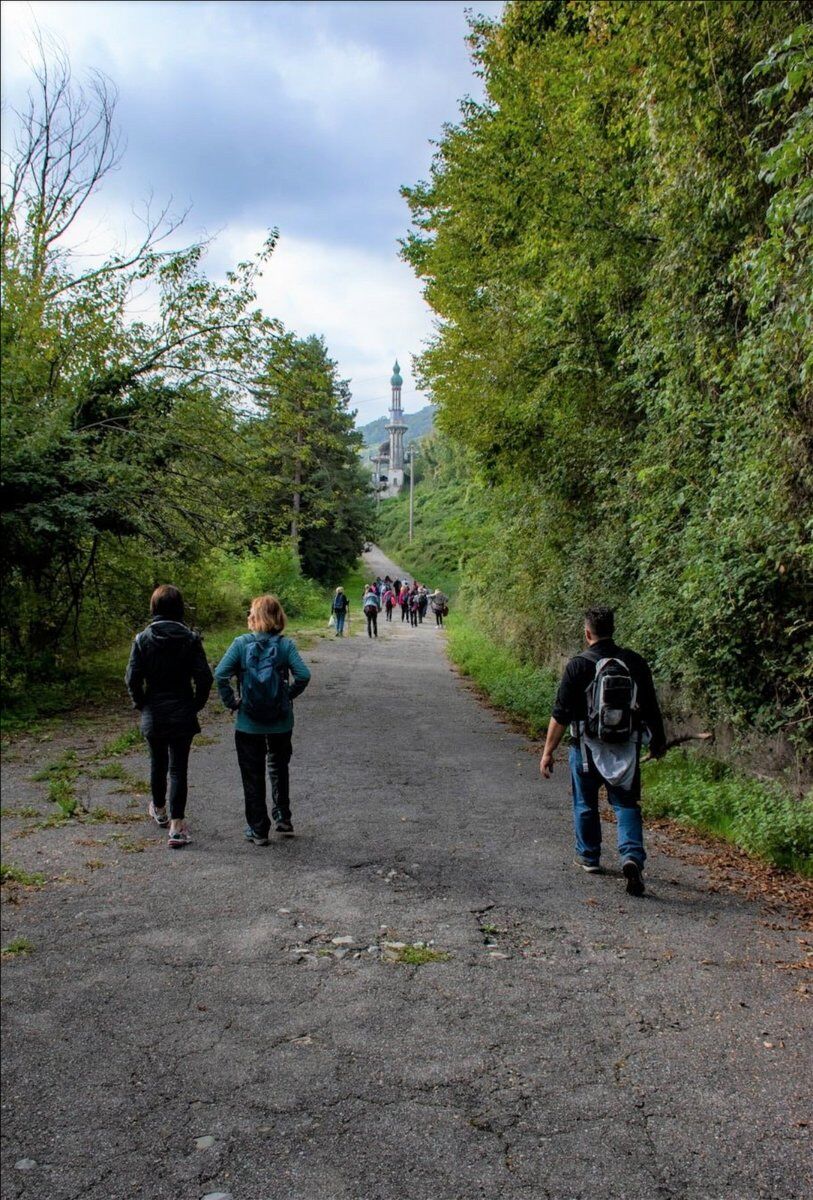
<point x="341" y="610"/>
<point x="608" y="698"/>
<point x="372" y="606"/>
<point x="403" y="600"/>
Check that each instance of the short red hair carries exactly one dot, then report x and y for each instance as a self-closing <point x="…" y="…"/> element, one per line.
<point x="266" y="615"/>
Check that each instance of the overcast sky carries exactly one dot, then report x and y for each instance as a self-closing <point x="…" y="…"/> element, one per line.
<point x="307" y="116"/>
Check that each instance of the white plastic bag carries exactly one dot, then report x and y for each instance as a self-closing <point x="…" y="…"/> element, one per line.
<point x="332" y="622"/>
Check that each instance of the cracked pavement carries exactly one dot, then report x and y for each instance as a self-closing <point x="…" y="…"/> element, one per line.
<point x="575" y="1042"/>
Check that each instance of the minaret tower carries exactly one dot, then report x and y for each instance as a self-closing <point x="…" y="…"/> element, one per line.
<point x="396" y="429"/>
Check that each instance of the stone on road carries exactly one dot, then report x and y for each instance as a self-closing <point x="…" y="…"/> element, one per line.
<point x="417" y="998"/>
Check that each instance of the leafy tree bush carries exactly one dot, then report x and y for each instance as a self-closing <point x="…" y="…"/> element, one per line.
<point x="617" y="244"/>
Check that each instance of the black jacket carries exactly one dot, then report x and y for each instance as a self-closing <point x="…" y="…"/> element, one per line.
<point x="571" y="698"/>
<point x="168" y="678"/>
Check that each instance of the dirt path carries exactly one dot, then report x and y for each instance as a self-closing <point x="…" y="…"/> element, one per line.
<point x="188" y="1023"/>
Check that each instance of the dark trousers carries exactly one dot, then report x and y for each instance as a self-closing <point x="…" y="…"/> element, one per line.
<point x="372" y="621"/>
<point x="438" y="618"/>
<point x="254" y="752"/>
<point x="389" y="612"/>
<point x="404" y="612"/>
<point x="413" y="616"/>
<point x="169" y="756"/>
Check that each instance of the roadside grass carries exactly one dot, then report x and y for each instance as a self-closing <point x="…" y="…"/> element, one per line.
<point x="760" y="817"/>
<point x="27" y="810"/>
<point x="701" y="792"/>
<point x="61" y="776"/>
<point x="122" y="744"/>
<point x="18" y="948"/>
<point x="10" y="873"/>
<point x="521" y="689"/>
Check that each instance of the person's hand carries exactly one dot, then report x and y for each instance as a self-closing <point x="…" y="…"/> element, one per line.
<point x="546" y="764"/>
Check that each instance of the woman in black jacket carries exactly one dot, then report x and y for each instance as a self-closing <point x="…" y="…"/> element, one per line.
<point x="169" y="680"/>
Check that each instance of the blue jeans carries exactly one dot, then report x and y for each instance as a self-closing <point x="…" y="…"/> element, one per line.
<point x="339" y="622"/>
<point x="586" y="823"/>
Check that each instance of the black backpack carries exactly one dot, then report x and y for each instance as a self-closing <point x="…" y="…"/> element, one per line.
<point x="612" y="701"/>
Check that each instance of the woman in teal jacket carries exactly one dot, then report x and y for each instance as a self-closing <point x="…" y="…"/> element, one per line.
<point x="262" y="744"/>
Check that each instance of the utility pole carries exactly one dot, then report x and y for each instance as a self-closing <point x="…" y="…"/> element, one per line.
<point x="413" y="450"/>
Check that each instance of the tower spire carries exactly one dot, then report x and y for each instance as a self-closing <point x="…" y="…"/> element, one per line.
<point x="396" y="429"/>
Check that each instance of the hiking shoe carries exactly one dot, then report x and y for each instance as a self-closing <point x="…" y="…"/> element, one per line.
<point x="258" y="839"/>
<point x="285" y="827"/>
<point x="634" y="875"/>
<point x="179" y="839"/>
<point x="159" y="815"/>
<point x="592" y="868"/>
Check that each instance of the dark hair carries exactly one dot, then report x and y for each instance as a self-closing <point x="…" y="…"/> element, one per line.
<point x="600" y="620"/>
<point x="167" y="602"/>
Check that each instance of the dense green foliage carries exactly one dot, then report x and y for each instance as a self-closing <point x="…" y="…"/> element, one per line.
<point x="617" y="243"/>
<point x="203" y="445"/>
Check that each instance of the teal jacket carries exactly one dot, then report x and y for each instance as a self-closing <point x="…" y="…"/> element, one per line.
<point x="231" y="666"/>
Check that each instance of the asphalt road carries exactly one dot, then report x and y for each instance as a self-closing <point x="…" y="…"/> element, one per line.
<point x="187" y="1025"/>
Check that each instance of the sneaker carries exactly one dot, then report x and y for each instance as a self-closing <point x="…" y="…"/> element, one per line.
<point x="286" y="828"/>
<point x="592" y="868"/>
<point x="633" y="873"/>
<point x="258" y="839"/>
<point x="159" y="815"/>
<point x="179" y="839"/>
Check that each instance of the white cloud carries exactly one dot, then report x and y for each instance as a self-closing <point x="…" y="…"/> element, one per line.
<point x="367" y="305"/>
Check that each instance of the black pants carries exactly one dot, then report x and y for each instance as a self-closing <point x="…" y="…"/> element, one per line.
<point x="389" y="612"/>
<point x="404" y="613"/>
<point x="413" y="616"/>
<point x="438" y="618"/>
<point x="372" y="621"/>
<point x="169" y="756"/>
<point x="254" y="751"/>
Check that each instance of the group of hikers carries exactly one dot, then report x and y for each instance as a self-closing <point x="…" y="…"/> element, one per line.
<point x="606" y="699"/>
<point x="385" y="595"/>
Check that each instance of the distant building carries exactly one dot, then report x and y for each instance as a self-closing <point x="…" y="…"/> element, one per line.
<point x="388" y="462"/>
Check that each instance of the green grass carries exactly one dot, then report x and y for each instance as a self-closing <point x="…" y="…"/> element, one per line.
<point x="61" y="776"/>
<point x="9" y="873"/>
<point x="757" y="816"/>
<point x="19" y="947"/>
<point x="521" y="689"/>
<point x="418" y="956"/>
<point x="67" y="765"/>
<point x="122" y="744"/>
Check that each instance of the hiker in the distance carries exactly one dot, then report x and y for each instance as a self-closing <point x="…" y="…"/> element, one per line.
<point x="403" y="600"/>
<point x="388" y="600"/>
<point x="169" y="681"/>
<point x="414" y="605"/>
<point x="608" y="699"/>
<point x="262" y="661"/>
<point x="440" y="606"/>
<point x="341" y="610"/>
<point x="372" y="607"/>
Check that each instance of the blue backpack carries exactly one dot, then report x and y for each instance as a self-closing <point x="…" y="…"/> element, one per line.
<point x="263" y="692"/>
